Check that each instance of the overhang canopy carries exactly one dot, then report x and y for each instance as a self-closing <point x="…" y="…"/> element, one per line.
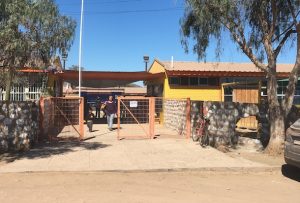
<point x="106" y="75"/>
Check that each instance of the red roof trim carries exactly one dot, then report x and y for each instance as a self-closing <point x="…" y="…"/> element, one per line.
<point x="222" y="74"/>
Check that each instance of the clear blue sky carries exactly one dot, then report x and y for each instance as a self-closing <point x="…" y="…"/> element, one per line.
<point x="117" y="33"/>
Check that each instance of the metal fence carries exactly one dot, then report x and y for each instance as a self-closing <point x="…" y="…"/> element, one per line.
<point x="62" y="118"/>
<point x="153" y="117"/>
<point x="23" y="93"/>
<point x="135" y="117"/>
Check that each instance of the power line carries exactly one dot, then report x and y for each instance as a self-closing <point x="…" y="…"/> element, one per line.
<point x="129" y="11"/>
<point x="103" y="2"/>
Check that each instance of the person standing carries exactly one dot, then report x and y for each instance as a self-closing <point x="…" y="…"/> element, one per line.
<point x="98" y="105"/>
<point x="110" y="111"/>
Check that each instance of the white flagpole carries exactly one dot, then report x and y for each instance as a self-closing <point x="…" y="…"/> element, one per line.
<point x="80" y="47"/>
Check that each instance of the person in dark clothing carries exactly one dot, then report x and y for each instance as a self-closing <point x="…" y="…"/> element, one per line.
<point x="110" y="111"/>
<point x="89" y="122"/>
<point x="98" y="105"/>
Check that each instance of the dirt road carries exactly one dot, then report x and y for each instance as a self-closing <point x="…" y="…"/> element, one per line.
<point x="149" y="187"/>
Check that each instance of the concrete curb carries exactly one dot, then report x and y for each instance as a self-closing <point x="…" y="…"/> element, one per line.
<point x="204" y="169"/>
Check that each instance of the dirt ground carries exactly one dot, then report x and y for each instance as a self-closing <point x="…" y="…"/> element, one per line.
<point x="150" y="187"/>
<point x="259" y="157"/>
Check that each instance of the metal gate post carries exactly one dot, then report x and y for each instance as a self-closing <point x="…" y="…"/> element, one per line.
<point x="41" y="118"/>
<point x="188" y="118"/>
<point x="81" y="118"/>
<point x="119" y="117"/>
<point x="151" y="116"/>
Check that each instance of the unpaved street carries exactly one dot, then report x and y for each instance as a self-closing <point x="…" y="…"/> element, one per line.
<point x="149" y="187"/>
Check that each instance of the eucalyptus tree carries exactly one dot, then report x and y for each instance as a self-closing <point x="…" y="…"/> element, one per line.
<point x="31" y="33"/>
<point x="260" y="29"/>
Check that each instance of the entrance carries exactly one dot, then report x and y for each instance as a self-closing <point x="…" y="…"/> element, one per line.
<point x="153" y="117"/>
<point x="62" y="118"/>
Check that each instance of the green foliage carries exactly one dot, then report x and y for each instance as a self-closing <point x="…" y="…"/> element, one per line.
<point x="260" y="28"/>
<point x="250" y="23"/>
<point x="31" y="32"/>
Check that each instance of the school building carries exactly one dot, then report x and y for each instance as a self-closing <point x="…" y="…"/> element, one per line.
<point x="236" y="82"/>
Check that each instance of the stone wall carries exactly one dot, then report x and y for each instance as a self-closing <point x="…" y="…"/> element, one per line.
<point x="196" y="114"/>
<point x="263" y="123"/>
<point x="222" y="117"/>
<point x="18" y="125"/>
<point x="175" y="115"/>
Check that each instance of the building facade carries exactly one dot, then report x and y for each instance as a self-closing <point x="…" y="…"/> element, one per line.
<point x="236" y="82"/>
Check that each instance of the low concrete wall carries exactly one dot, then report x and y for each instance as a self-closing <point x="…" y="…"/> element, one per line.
<point x="19" y="125"/>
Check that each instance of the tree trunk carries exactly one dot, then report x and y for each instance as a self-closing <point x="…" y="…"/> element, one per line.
<point x="8" y="85"/>
<point x="293" y="78"/>
<point x="276" y="117"/>
<point x="277" y="131"/>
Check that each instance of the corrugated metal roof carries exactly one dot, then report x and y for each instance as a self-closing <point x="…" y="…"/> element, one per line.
<point x="219" y="66"/>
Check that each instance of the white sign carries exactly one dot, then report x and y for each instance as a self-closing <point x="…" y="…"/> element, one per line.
<point x="133" y="104"/>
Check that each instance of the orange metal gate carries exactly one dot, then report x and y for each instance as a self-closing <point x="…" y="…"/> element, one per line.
<point x="136" y="114"/>
<point x="62" y="117"/>
<point x="149" y="117"/>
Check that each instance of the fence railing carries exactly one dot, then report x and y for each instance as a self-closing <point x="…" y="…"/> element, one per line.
<point x="23" y="93"/>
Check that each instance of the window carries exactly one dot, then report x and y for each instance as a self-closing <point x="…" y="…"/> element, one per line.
<point x="213" y="81"/>
<point x="184" y="81"/>
<point x="281" y="89"/>
<point x="297" y="99"/>
<point x="228" y="94"/>
<point x="194" y="81"/>
<point x="174" y="81"/>
<point x="203" y="81"/>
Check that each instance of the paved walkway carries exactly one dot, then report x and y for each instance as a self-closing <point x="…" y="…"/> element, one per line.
<point x="103" y="152"/>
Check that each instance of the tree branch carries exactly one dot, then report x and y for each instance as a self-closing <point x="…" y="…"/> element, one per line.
<point x="282" y="42"/>
<point x="293" y="78"/>
<point x="264" y="23"/>
<point x="238" y="35"/>
<point x="292" y="12"/>
<point x="286" y="30"/>
<point x="274" y="17"/>
<point x="268" y="32"/>
<point x="240" y="39"/>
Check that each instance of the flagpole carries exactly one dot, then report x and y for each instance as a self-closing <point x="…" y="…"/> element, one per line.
<point x="80" y="47"/>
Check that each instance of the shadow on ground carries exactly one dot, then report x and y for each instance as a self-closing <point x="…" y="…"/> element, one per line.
<point x="291" y="172"/>
<point x="51" y="149"/>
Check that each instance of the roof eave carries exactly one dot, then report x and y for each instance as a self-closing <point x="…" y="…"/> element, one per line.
<point x="222" y="73"/>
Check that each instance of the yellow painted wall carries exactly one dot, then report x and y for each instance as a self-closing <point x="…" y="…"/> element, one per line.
<point x="202" y="94"/>
<point x="156" y="68"/>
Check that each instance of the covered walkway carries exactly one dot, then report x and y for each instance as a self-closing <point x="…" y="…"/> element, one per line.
<point x="107" y="78"/>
